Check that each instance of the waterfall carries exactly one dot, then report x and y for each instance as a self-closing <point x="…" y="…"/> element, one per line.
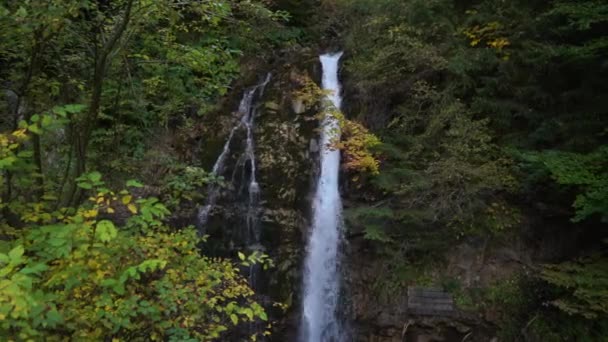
<point x="253" y="231"/>
<point x="321" y="279"/>
<point x="247" y="111"/>
<point x="213" y="190"/>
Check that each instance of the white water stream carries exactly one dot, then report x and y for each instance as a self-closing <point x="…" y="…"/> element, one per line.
<point x="321" y="278"/>
<point x="247" y="111"/>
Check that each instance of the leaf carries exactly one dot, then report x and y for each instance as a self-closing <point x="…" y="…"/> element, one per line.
<point x="34" y="269"/>
<point x="94" y="176"/>
<point x="34" y="129"/>
<point x="132" y="208"/>
<point x="53" y="318"/>
<point x="134" y="184"/>
<point x="46" y="121"/>
<point x="126" y="199"/>
<point x="234" y="319"/>
<point x="56" y="242"/>
<point x="74" y="108"/>
<point x="249" y="313"/>
<point x="21" y="12"/>
<point x="106" y="231"/>
<point x="25" y="154"/>
<point x="241" y="256"/>
<point x="59" y="111"/>
<point x="85" y="185"/>
<point x="8" y="161"/>
<point x="16" y="253"/>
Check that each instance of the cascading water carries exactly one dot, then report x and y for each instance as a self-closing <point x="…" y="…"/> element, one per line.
<point x="253" y="232"/>
<point x="247" y="111"/>
<point x="321" y="279"/>
<point x="213" y="190"/>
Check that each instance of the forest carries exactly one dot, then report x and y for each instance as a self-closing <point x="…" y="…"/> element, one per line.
<point x="471" y="130"/>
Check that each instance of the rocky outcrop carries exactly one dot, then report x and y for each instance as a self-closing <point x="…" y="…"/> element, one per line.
<point x="285" y="138"/>
<point x="382" y="309"/>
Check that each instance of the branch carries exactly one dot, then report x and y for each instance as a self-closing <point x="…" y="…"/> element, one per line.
<point x="118" y="31"/>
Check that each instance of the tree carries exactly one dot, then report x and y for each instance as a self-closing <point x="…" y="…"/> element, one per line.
<point x="75" y="274"/>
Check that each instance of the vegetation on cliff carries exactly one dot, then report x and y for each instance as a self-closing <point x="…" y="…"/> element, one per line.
<point x="491" y="114"/>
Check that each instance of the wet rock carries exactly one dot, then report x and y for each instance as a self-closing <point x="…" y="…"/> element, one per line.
<point x="313" y="146"/>
<point x="297" y="106"/>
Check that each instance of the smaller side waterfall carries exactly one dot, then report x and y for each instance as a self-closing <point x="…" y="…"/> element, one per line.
<point x="213" y="189"/>
<point x="247" y="111"/>
<point x="253" y="188"/>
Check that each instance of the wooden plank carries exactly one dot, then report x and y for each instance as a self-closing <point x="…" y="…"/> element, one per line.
<point x="429" y="289"/>
<point x="428" y="294"/>
<point x="438" y="307"/>
<point x="431" y="312"/>
<point x="429" y="302"/>
<point x="431" y="299"/>
<point x="434" y="302"/>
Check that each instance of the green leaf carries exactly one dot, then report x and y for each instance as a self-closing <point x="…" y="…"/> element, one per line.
<point x="94" y="176"/>
<point x="53" y="318"/>
<point x="85" y="185"/>
<point x="56" y="241"/>
<point x="21" y="12"/>
<point x="35" y="269"/>
<point x="15" y="254"/>
<point x="46" y="121"/>
<point x="74" y="108"/>
<point x="241" y="256"/>
<point x="134" y="184"/>
<point x="249" y="313"/>
<point x="34" y="129"/>
<point x="60" y="111"/>
<point x="8" y="161"/>
<point x="25" y="154"/>
<point x="234" y="319"/>
<point x="105" y="231"/>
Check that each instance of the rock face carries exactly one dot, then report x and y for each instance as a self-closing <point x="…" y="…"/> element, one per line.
<point x="403" y="312"/>
<point x="285" y="135"/>
<point x="406" y="310"/>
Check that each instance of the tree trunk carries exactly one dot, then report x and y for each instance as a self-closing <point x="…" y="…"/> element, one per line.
<point x="82" y="133"/>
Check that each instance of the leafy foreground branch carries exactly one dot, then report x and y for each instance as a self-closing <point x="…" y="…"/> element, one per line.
<point x="75" y="273"/>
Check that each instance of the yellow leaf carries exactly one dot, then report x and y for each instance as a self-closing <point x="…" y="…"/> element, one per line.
<point x="90" y="213"/>
<point x="110" y="210"/>
<point x="20" y="133"/>
<point x="132" y="208"/>
<point x="126" y="199"/>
